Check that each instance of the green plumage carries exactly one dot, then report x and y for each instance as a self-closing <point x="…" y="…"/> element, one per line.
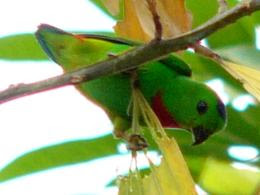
<point x="166" y="84"/>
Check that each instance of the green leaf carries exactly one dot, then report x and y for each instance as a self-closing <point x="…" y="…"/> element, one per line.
<point x="221" y="178"/>
<point x="59" y="155"/>
<point x="240" y="32"/>
<point x="201" y="10"/>
<point x="243" y="54"/>
<point x="21" y="47"/>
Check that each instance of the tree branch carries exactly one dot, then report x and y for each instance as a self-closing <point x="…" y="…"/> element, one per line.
<point x="135" y="57"/>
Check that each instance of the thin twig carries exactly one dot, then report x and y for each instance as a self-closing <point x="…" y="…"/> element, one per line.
<point x="136" y="56"/>
<point x="206" y="52"/>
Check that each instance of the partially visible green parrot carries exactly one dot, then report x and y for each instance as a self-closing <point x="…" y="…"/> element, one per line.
<point x="177" y="100"/>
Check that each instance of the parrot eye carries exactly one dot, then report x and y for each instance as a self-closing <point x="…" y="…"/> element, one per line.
<point x="202" y="107"/>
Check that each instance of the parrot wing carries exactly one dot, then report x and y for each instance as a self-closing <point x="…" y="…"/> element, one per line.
<point x="73" y="51"/>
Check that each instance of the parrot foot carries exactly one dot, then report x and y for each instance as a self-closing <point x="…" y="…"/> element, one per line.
<point x="136" y="142"/>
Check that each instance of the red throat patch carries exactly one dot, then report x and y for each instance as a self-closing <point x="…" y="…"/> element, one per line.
<point x="162" y="113"/>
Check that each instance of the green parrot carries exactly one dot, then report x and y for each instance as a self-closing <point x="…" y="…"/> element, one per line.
<point x="177" y="100"/>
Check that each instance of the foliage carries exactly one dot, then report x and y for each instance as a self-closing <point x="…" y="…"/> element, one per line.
<point x="236" y="43"/>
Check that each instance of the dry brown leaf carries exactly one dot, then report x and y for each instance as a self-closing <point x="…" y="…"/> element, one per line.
<point x="113" y="6"/>
<point x="138" y="22"/>
<point x="130" y="27"/>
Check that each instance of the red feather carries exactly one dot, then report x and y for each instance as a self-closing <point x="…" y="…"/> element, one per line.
<point x="162" y="113"/>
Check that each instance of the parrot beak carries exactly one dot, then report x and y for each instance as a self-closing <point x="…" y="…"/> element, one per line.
<point x="200" y="134"/>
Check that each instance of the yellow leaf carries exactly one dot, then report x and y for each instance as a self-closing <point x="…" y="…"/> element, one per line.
<point x="172" y="174"/>
<point x="176" y="166"/>
<point x="131" y="185"/>
<point x="171" y="177"/>
<point x="249" y="77"/>
<point x="138" y="22"/>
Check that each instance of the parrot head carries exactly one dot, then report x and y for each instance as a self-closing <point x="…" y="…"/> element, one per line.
<point x="192" y="106"/>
